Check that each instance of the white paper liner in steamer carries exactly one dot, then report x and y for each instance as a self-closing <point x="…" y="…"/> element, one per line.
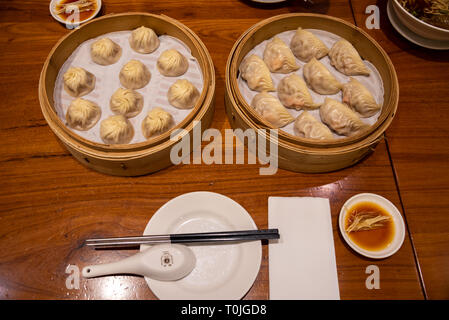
<point x="107" y="82"/>
<point x="373" y="82"/>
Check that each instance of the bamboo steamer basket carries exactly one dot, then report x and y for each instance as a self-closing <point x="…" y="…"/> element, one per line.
<point x="127" y="159"/>
<point x="302" y="154"/>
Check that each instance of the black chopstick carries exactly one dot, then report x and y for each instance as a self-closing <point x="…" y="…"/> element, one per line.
<point x="222" y="236"/>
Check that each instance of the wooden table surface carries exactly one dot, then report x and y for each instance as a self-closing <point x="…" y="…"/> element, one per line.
<point x="50" y="203"/>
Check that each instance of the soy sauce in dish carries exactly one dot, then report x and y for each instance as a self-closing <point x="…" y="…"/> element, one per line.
<point x="378" y="236"/>
<point x="86" y="9"/>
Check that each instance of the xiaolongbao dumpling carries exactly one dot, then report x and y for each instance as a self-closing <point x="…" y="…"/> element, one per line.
<point x="357" y="96"/>
<point x="116" y="130"/>
<point x="172" y="63"/>
<point x="271" y="109"/>
<point x="293" y="93"/>
<point x="126" y="102"/>
<point x="144" y="40"/>
<point x="183" y="94"/>
<point x="278" y="57"/>
<point x="319" y="78"/>
<point x="345" y="58"/>
<point x="156" y="122"/>
<point x="340" y="118"/>
<point x="305" y="46"/>
<point x="134" y="75"/>
<point x="105" y="52"/>
<point x="78" y="82"/>
<point x="307" y="126"/>
<point x="82" y="114"/>
<point x="254" y="70"/>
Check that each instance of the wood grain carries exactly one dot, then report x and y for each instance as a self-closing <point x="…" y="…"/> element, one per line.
<point x="418" y="144"/>
<point x="51" y="203"/>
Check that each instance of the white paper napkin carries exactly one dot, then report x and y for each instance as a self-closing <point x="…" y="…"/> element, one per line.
<point x="302" y="262"/>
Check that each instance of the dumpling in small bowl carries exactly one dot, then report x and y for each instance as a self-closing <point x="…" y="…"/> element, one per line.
<point x="172" y="63"/>
<point x="183" y="94"/>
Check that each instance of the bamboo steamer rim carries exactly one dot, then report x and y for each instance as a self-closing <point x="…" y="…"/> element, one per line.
<point x="118" y="151"/>
<point x="377" y="129"/>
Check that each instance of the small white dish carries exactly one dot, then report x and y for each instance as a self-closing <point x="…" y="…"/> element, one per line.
<point x="410" y="35"/>
<point x="399" y="236"/>
<point x="222" y="271"/>
<point x="53" y="4"/>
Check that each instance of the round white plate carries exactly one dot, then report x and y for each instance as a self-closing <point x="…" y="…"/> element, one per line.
<point x="222" y="271"/>
<point x="395" y="244"/>
<point x="53" y="4"/>
<point x="411" y="36"/>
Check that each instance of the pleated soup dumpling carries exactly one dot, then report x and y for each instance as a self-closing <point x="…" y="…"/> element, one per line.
<point x="307" y="126"/>
<point x="340" y="118"/>
<point x="278" y="57"/>
<point x="172" y="63"/>
<point x="357" y="96"/>
<point x="105" y="52"/>
<point x="156" y="122"/>
<point x="78" y="82"/>
<point x="345" y="58"/>
<point x="183" y="94"/>
<point x="144" y="40"/>
<point x="271" y="109"/>
<point x="126" y="102"/>
<point x="82" y="114"/>
<point x="305" y="46"/>
<point x="319" y="79"/>
<point x="293" y="93"/>
<point x="256" y="73"/>
<point x="116" y="130"/>
<point x="134" y="75"/>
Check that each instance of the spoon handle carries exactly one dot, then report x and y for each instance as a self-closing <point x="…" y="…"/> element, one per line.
<point x="130" y="265"/>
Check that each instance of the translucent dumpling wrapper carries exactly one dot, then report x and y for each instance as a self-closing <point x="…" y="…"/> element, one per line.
<point x="126" y="102"/>
<point x="116" y="130"/>
<point x="134" y="75"/>
<point x="105" y="52"/>
<point x="172" y="63"/>
<point x="293" y="93"/>
<point x="305" y="46"/>
<point x="156" y="122"/>
<point x="278" y="57"/>
<point x="319" y="79"/>
<point x="357" y="96"/>
<point x="340" y="118"/>
<point x="271" y="110"/>
<point x="82" y="114"/>
<point x="256" y="73"/>
<point x="78" y="82"/>
<point x="144" y="40"/>
<point x="345" y="58"/>
<point x="307" y="126"/>
<point x="183" y="94"/>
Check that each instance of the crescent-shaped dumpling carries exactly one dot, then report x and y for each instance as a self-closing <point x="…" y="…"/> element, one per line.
<point x="319" y="79"/>
<point x="345" y="58"/>
<point x="340" y="118"/>
<point x="278" y="57"/>
<point x="307" y="126"/>
<point x="305" y="46"/>
<point x="256" y="73"/>
<point x="357" y="96"/>
<point x="293" y="93"/>
<point x="271" y="109"/>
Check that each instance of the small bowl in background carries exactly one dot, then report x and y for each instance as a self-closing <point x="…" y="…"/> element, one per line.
<point x="418" y="26"/>
<point x="399" y="225"/>
<point x="54" y="3"/>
